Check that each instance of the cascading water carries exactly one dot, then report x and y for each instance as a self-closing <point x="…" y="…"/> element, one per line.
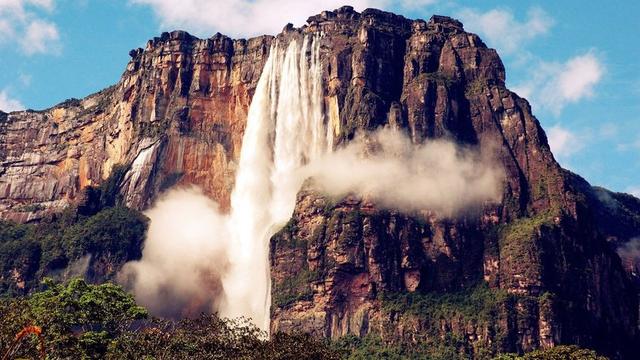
<point x="198" y="259"/>
<point x="285" y="129"/>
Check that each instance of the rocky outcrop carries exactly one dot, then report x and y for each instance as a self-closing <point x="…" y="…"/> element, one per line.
<point x="176" y="116"/>
<point x="535" y="270"/>
<point x="349" y="267"/>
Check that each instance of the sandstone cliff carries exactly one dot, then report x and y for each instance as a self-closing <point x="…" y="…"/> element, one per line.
<point x="540" y="267"/>
<point x="176" y="116"/>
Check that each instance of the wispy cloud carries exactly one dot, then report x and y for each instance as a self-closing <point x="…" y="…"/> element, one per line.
<point x="609" y="130"/>
<point x="551" y="85"/>
<point x="413" y="4"/>
<point x="8" y="103"/>
<point x="25" y="79"/>
<point x="563" y="142"/>
<point x="240" y="17"/>
<point x="501" y="29"/>
<point x="41" y="37"/>
<point x="23" y="22"/>
<point x="634" y="190"/>
<point x="554" y="85"/>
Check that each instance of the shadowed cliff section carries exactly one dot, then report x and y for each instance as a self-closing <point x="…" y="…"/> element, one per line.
<point x="538" y="265"/>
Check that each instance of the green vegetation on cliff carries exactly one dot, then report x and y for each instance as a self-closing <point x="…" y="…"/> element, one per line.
<point x="476" y="304"/>
<point x="562" y="352"/>
<point x="373" y="347"/>
<point x="28" y="252"/>
<point x="474" y="323"/>
<point x="446" y="317"/>
<point x="92" y="240"/>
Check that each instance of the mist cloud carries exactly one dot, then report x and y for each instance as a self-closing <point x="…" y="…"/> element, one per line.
<point x="388" y="169"/>
<point x="630" y="254"/>
<point x="184" y="256"/>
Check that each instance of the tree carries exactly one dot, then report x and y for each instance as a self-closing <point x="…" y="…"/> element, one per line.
<point x="77" y="319"/>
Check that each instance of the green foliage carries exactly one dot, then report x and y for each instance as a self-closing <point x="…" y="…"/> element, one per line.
<point x="31" y="208"/>
<point x="475" y="87"/>
<point x="116" y="232"/>
<point x="82" y="321"/>
<point x="478" y="304"/>
<point x="481" y="306"/>
<point x="373" y="347"/>
<point x="484" y="308"/>
<point x="524" y="228"/>
<point x="296" y="346"/>
<point x="438" y="77"/>
<point x="519" y="242"/>
<point x="347" y="224"/>
<point x="562" y="352"/>
<point x="295" y="288"/>
<point x="77" y="320"/>
<point x="29" y="252"/>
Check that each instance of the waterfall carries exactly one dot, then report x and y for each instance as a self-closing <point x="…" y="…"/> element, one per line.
<point x="285" y="129"/>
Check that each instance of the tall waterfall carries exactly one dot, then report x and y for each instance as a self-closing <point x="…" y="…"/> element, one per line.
<point x="285" y="129"/>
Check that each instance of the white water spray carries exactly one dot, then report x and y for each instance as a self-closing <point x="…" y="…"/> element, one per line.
<point x="285" y="129"/>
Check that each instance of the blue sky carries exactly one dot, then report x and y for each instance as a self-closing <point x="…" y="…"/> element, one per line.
<point x="576" y="61"/>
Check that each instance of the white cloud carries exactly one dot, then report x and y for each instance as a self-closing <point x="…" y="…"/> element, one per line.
<point x="416" y="4"/>
<point x="243" y="18"/>
<point x="41" y="37"/>
<point x="563" y="142"/>
<point x="384" y="166"/>
<point x="554" y="85"/>
<point x="635" y="191"/>
<point x="7" y="103"/>
<point x="551" y="85"/>
<point x="503" y="31"/>
<point x="627" y="146"/>
<point x="23" y="22"/>
<point x="240" y="17"/>
<point x="578" y="77"/>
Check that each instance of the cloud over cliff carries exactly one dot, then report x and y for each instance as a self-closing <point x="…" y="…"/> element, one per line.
<point x="184" y="256"/>
<point x="387" y="168"/>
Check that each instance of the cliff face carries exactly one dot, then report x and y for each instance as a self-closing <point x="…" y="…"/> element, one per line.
<point x="540" y="268"/>
<point x="538" y="265"/>
<point x="176" y="117"/>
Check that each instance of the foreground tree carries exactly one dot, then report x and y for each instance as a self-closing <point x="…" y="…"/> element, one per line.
<point x="82" y="321"/>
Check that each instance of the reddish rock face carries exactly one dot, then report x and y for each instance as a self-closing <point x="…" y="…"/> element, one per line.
<point x="538" y="263"/>
<point x="542" y="251"/>
<point x="176" y="116"/>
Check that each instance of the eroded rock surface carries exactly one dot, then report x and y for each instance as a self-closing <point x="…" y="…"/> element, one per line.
<point x="176" y="117"/>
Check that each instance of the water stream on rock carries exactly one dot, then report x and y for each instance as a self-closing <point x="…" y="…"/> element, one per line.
<point x="285" y="129"/>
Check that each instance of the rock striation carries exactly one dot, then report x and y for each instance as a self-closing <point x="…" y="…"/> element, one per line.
<point x="175" y="117"/>
<point x="538" y="269"/>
